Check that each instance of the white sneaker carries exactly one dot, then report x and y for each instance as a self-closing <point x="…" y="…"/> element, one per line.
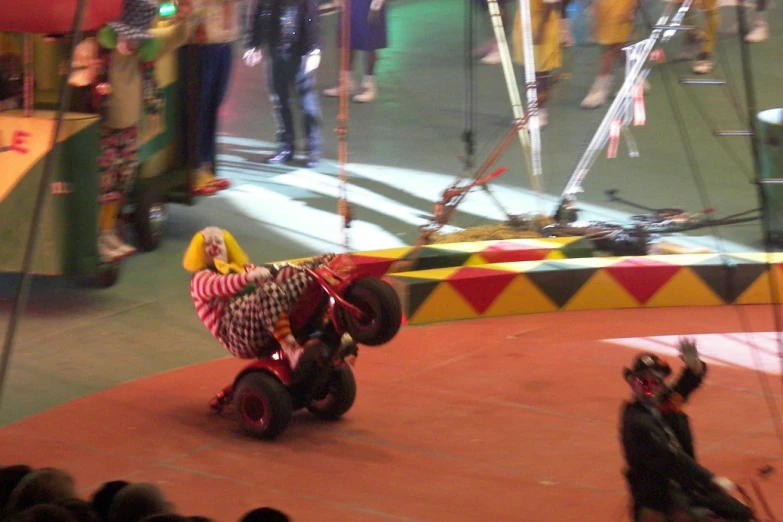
<point x="369" y="90"/>
<point x="703" y="66"/>
<point x="491" y="58"/>
<point x="106" y="254"/>
<point x="759" y="33"/>
<point x="334" y="92"/>
<point x="598" y="93"/>
<point x="120" y="247"/>
<point x="543" y="119"/>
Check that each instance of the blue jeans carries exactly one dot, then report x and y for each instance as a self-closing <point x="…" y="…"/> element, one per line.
<point x="284" y="72"/>
<point x="215" y="61"/>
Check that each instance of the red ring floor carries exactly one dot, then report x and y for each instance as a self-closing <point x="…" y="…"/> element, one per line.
<point x="512" y="418"/>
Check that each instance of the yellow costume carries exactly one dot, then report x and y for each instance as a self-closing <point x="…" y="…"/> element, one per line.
<point x="547" y="52"/>
<point x="614" y="21"/>
<point x="711" y="19"/>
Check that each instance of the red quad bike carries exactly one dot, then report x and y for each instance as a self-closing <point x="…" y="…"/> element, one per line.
<point x="266" y="392"/>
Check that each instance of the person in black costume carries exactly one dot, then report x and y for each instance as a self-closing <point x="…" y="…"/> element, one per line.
<point x="290" y="30"/>
<point x="665" y="480"/>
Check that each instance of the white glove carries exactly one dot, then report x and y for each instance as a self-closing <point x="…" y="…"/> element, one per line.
<point x="259" y="273"/>
<point x="311" y="61"/>
<point x="376" y="5"/>
<point x="724" y="483"/>
<point x="253" y="57"/>
<point x="690" y="353"/>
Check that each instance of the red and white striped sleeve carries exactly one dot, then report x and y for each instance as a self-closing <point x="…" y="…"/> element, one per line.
<point x="207" y="284"/>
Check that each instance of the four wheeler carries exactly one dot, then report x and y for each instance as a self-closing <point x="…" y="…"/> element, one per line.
<point x="330" y="319"/>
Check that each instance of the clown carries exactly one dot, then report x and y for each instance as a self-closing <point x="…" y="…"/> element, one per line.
<point x="123" y="90"/>
<point x="665" y="481"/>
<point x="243" y="305"/>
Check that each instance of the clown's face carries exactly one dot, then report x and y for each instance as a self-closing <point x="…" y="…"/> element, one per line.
<point x="214" y="245"/>
<point x="125" y="46"/>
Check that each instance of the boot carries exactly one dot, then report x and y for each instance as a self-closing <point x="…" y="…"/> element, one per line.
<point x="334" y="92"/>
<point x="119" y="247"/>
<point x="760" y="31"/>
<point x="369" y="90"/>
<point x="598" y="92"/>
<point x="110" y="247"/>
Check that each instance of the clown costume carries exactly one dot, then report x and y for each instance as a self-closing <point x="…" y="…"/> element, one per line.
<point x="243" y="305"/>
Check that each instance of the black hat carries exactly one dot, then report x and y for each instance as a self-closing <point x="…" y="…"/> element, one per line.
<point x="648" y="363"/>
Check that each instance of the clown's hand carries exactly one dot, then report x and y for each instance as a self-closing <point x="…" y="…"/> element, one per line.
<point x="690" y="354"/>
<point x="374" y="16"/>
<point x="312" y="60"/>
<point x="253" y="56"/>
<point x="259" y="274"/>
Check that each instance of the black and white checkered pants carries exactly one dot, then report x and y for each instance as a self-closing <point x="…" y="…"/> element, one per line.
<point x="249" y="321"/>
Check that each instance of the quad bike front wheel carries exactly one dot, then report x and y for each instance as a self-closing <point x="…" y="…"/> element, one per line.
<point x="339" y="397"/>
<point x="381" y="308"/>
<point x="262" y="404"/>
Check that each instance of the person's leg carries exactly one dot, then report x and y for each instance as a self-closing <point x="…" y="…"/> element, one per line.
<point x="334" y="91"/>
<point x="223" y="58"/>
<point x="760" y="30"/>
<point x="566" y="35"/>
<point x="712" y="23"/>
<point x="602" y="84"/>
<point x="279" y="78"/>
<point x="311" y="112"/>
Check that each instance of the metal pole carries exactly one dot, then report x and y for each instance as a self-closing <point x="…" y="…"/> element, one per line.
<point x="23" y="291"/>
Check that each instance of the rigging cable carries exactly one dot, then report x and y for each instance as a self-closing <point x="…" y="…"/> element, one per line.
<point x="730" y="266"/>
<point x="23" y="289"/>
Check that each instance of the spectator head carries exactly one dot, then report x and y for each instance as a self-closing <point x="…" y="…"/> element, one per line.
<point x="101" y="500"/>
<point x="10" y="476"/>
<point x="42" y="486"/>
<point x="136" y="501"/>
<point x="44" y="513"/>
<point x="265" y="514"/>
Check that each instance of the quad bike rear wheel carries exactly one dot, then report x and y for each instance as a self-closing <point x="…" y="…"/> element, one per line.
<point x="339" y="397"/>
<point x="262" y="404"/>
<point x="382" y="312"/>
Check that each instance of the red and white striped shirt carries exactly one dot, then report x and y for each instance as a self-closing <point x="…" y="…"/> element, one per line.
<point x="211" y="292"/>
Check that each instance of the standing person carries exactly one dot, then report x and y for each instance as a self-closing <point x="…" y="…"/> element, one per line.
<point x="545" y="17"/>
<point x="290" y="29"/>
<point x="614" y="23"/>
<point x="665" y="481"/>
<point x="368" y="34"/>
<point x="217" y="30"/>
<point x="126" y="89"/>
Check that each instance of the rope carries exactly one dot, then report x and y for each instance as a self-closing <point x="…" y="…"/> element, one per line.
<point x="23" y="290"/>
<point x="701" y="188"/>
<point x="343" y="207"/>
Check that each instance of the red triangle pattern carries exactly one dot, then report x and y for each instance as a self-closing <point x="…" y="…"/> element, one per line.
<point x="372" y="266"/>
<point x="641" y="277"/>
<point x="508" y="252"/>
<point x="480" y="286"/>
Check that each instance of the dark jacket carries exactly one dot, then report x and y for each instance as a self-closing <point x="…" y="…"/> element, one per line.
<point x="285" y="26"/>
<point x="671" y="408"/>
<point x="653" y="458"/>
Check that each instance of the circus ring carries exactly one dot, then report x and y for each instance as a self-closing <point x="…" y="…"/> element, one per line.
<point x="511" y="417"/>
